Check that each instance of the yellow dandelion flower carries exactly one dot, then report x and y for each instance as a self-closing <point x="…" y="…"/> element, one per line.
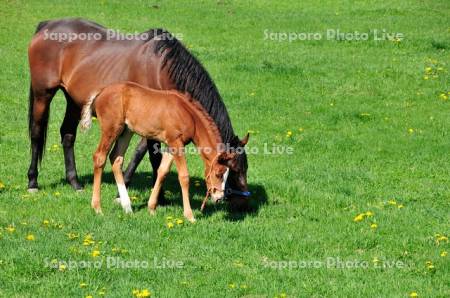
<point x="443" y="253"/>
<point x="83" y="285"/>
<point x="169" y="218"/>
<point x="144" y="293"/>
<point x="62" y="267"/>
<point x="170" y="225"/>
<point x="179" y="221"/>
<point x="413" y="294"/>
<point x="410" y="130"/>
<point x="428" y="69"/>
<point x="359" y="217"/>
<point x="30" y="237"/>
<point x="2" y="186"/>
<point x="374" y="226"/>
<point x="443" y="96"/>
<point x="392" y="202"/>
<point x="369" y="213"/>
<point x="56" y="193"/>
<point x="73" y="236"/>
<point x="441" y="238"/>
<point x="400" y="206"/>
<point x="95" y="253"/>
<point x="45" y="222"/>
<point x="375" y="260"/>
<point x="89" y="296"/>
<point x="10" y="229"/>
<point x="88" y="240"/>
<point x="231" y="286"/>
<point x="429" y="265"/>
<point x="289" y="133"/>
<point x="102" y="292"/>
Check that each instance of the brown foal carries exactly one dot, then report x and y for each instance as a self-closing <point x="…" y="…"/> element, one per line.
<point x="167" y="116"/>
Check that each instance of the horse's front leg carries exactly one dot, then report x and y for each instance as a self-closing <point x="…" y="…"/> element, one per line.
<point x="163" y="170"/>
<point x="183" y="178"/>
<point x="68" y="133"/>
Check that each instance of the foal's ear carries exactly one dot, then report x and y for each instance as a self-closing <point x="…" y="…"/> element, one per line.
<point x="227" y="159"/>
<point x="244" y="141"/>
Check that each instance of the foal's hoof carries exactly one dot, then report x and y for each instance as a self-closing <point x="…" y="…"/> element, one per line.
<point x="33" y="190"/>
<point x="98" y="211"/>
<point x="128" y="209"/>
<point x="117" y="200"/>
<point x="152" y="212"/>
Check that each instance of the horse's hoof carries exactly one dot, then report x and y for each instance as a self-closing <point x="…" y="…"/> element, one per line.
<point x="191" y="220"/>
<point x="76" y="185"/>
<point x="98" y="211"/>
<point x="33" y="190"/>
<point x="117" y="200"/>
<point x="152" y="211"/>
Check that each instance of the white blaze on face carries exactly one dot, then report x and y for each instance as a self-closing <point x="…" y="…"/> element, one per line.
<point x="225" y="177"/>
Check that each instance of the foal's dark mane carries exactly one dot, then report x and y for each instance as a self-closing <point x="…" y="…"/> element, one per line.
<point x="190" y="76"/>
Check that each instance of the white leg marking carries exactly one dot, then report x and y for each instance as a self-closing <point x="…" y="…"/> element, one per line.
<point x="124" y="198"/>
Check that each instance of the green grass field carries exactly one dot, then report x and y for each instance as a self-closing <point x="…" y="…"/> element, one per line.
<point x="367" y="186"/>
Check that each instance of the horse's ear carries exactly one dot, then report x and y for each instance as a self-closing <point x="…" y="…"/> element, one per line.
<point x="244" y="141"/>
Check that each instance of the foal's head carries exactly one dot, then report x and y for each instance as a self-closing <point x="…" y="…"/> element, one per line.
<point x="216" y="175"/>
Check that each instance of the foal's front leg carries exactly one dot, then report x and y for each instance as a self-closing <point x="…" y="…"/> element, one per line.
<point x="163" y="170"/>
<point x="183" y="178"/>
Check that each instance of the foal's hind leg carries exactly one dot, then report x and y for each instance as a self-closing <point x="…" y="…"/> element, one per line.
<point x="68" y="133"/>
<point x="163" y="170"/>
<point x="116" y="158"/>
<point x="99" y="159"/>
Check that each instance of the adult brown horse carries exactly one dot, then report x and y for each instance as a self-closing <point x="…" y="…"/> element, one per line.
<point x="89" y="60"/>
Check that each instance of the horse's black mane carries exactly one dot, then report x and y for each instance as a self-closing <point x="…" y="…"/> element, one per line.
<point x="190" y="76"/>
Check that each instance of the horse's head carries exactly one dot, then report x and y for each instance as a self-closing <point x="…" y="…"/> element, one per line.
<point x="236" y="188"/>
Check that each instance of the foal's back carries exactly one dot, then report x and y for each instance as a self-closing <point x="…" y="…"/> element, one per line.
<point x="154" y="114"/>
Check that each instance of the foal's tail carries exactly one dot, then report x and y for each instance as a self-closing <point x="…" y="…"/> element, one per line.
<point x="86" y="113"/>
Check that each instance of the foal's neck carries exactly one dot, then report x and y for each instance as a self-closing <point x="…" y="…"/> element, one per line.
<point x="206" y="136"/>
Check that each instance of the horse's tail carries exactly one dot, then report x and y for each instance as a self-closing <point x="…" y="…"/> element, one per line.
<point x="86" y="113"/>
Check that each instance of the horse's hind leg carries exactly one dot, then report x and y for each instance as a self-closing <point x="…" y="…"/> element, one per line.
<point x="68" y="133"/>
<point x="116" y="158"/>
<point x="39" y="111"/>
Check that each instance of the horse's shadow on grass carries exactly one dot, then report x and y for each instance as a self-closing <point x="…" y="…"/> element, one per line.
<point x="142" y="183"/>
